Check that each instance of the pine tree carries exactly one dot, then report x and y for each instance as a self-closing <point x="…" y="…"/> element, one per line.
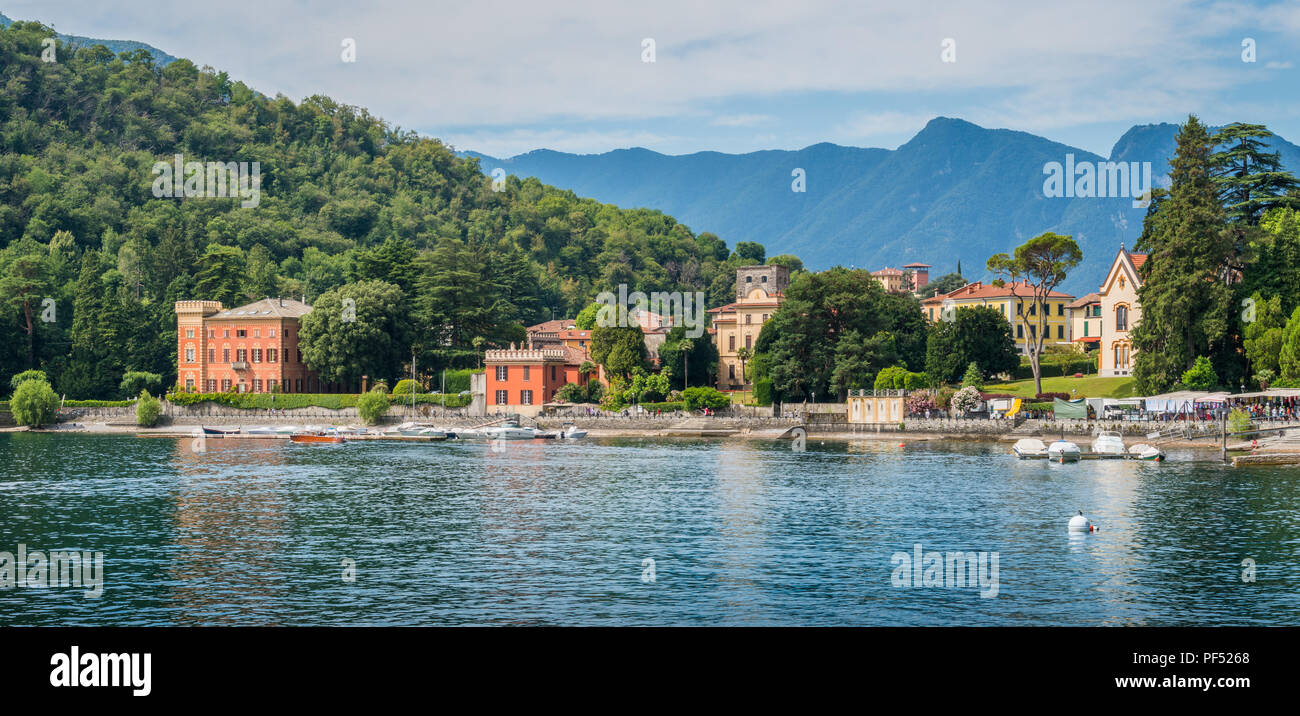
<point x="1185" y="296"/>
<point x="1250" y="180"/>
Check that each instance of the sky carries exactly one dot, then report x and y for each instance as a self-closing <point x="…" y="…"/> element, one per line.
<point x="503" y="78"/>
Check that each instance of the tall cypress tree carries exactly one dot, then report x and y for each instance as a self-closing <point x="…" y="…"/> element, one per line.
<point x="1186" y="297"/>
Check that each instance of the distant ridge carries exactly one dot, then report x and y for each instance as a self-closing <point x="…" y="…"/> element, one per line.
<point x="160" y="58"/>
<point x="955" y="191"/>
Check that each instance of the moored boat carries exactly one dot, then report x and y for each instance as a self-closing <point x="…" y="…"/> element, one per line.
<point x="316" y="438"/>
<point x="1142" y="451"/>
<point x="220" y="431"/>
<point x="1063" y="451"/>
<point x="1027" y="448"/>
<point x="572" y="432"/>
<point x="1109" y="444"/>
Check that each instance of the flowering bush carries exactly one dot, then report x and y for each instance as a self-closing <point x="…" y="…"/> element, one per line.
<point x="919" y="402"/>
<point x="966" y="399"/>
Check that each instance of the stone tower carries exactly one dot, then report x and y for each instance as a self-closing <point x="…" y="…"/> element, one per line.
<point x="772" y="278"/>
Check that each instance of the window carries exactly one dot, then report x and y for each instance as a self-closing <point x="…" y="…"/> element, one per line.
<point x="1033" y="331"/>
<point x="257" y="355"/>
<point x="1121" y="318"/>
<point x="749" y="318"/>
<point x="731" y="372"/>
<point x="189" y="384"/>
<point x="212" y="334"/>
<point x="225" y="385"/>
<point x="189" y="355"/>
<point x="210" y="385"/>
<point x="257" y="332"/>
<point x="1096" y="310"/>
<point x="257" y="385"/>
<point x="227" y="333"/>
<point x="731" y="343"/>
<point x="501" y="397"/>
<point x="1121" y="356"/>
<point x="297" y="385"/>
<point x="270" y="333"/>
<point x="525" y="397"/>
<point x="1060" y="332"/>
<point x="1020" y="331"/>
<point x="1020" y="309"/>
<point x="299" y="355"/>
<point x="241" y="354"/>
<point x="270" y="355"/>
<point x="527" y="373"/>
<point x="552" y="372"/>
<point x="749" y="341"/>
<point x="1060" y="309"/>
<point x="1033" y="308"/>
<point x="1085" y="329"/>
<point x="749" y="279"/>
<point x="241" y="333"/>
<point x="764" y="279"/>
<point x="503" y="372"/>
<point x="189" y="332"/>
<point x="212" y="355"/>
<point x="270" y="385"/>
<point x="225" y="355"/>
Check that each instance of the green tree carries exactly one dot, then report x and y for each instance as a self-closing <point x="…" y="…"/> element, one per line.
<point x="1034" y="271"/>
<point x="221" y="275"/>
<point x="1264" y="335"/>
<point x="355" y="330"/>
<point x="699" y="355"/>
<point x="1249" y="179"/>
<point x="946" y="283"/>
<point x="147" y="410"/>
<point x="973" y="376"/>
<point x="978" y="334"/>
<point x="620" y="349"/>
<point x="1185" y="296"/>
<point x="1201" y="375"/>
<point x="26" y="375"/>
<point x="858" y="360"/>
<point x="34" y="403"/>
<point x="135" y="382"/>
<point x="372" y="406"/>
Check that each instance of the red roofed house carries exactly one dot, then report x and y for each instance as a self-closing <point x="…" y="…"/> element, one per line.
<point x="1011" y="300"/>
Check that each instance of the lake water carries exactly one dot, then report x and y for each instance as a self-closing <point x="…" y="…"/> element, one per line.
<point x="258" y="532"/>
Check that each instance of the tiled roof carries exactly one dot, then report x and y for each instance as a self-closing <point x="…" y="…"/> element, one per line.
<point x="569" y="335"/>
<point x="266" y="308"/>
<point x="1093" y="297"/>
<point x="558" y="324"/>
<point x="1138" y="259"/>
<point x="979" y="290"/>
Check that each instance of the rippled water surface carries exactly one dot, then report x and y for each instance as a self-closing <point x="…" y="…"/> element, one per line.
<point x="255" y="532"/>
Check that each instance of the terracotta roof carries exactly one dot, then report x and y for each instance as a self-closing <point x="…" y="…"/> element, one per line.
<point x="1138" y="259"/>
<point x="266" y="308"/>
<point x="558" y="324"/>
<point x="1093" y="297"/>
<point x="979" y="290"/>
<point x="916" y="264"/>
<point x="575" y="356"/>
<point x="888" y="271"/>
<point x="574" y="335"/>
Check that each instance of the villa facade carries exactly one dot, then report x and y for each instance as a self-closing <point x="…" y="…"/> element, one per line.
<point x="759" y="292"/>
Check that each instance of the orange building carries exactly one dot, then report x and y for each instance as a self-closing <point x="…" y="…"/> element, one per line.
<point x="251" y="348"/>
<point x="521" y="380"/>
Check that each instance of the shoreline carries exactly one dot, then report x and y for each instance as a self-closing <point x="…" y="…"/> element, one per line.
<point x="667" y="432"/>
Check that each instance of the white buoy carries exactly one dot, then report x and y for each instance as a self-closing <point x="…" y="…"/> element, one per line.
<point x="1079" y="523"/>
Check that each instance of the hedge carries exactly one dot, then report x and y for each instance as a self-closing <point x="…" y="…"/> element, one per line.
<point x="97" y="403"/>
<point x="289" y="401"/>
<point x="1052" y="368"/>
<point x="666" y="407"/>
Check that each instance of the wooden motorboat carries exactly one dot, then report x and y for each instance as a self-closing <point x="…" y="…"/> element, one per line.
<point x="316" y="438"/>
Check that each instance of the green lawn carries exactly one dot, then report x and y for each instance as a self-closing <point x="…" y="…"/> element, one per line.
<point x="1089" y="386"/>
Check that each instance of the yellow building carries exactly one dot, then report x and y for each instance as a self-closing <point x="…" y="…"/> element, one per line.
<point x="759" y="291"/>
<point x="1012" y="300"/>
<point x="1085" y="321"/>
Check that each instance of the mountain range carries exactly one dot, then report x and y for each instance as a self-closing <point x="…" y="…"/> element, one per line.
<point x="954" y="192"/>
<point x="160" y="58"/>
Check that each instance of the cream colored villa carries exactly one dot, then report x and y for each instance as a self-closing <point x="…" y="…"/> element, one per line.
<point x="759" y="291"/>
<point x="1119" y="312"/>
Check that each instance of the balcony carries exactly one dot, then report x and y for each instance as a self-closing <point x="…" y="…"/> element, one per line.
<point x="240" y="365"/>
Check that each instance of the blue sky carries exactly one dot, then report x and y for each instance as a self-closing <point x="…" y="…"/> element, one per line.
<point x="507" y="77"/>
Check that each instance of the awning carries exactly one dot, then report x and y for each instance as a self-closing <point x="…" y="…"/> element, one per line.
<point x="1069" y="409"/>
<point x="1088" y="339"/>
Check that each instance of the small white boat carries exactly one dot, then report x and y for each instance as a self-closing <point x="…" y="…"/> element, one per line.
<point x="287" y="430"/>
<point x="572" y="432"/>
<point x="1142" y="451"/>
<point x="1026" y="448"/>
<point x="1063" y="451"/>
<point x="510" y="430"/>
<point x="260" y="430"/>
<point x="1109" y="443"/>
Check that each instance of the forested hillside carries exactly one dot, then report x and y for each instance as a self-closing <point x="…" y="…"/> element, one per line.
<point x="345" y="198"/>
